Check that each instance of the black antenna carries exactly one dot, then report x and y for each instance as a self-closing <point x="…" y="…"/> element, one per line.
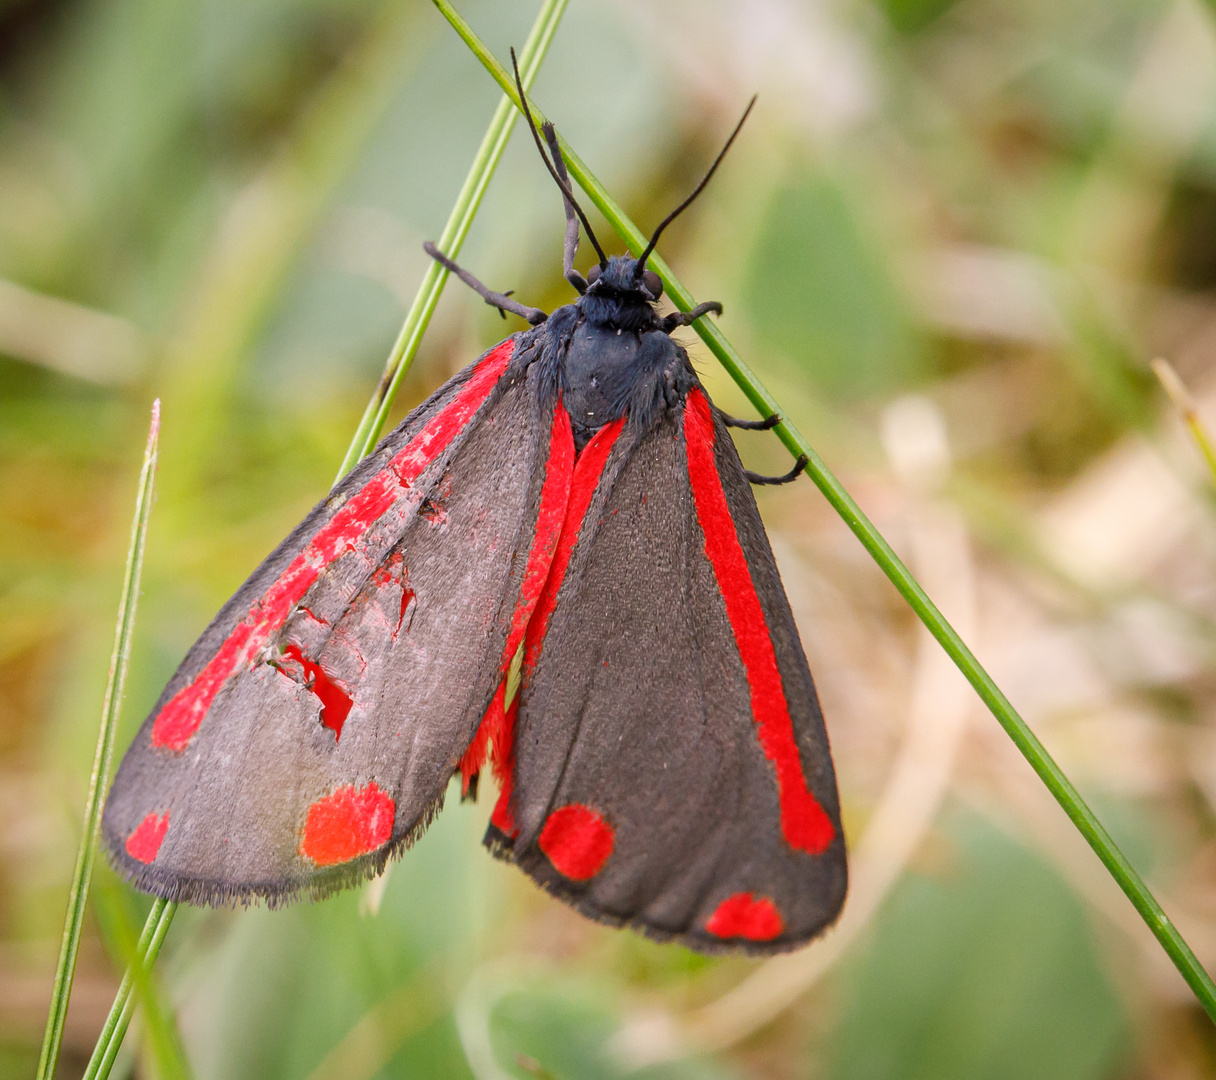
<point x="523" y="100"/>
<point x="654" y="239"/>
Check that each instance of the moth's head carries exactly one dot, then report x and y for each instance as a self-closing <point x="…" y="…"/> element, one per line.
<point x="624" y="280"/>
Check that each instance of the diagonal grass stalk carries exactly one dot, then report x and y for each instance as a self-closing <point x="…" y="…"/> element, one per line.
<point x="452" y="238"/>
<point x="1082" y="817"/>
<point x="1187" y="408"/>
<point x="150" y="941"/>
<point x="402" y="354"/>
<point x="111" y="706"/>
<point x="118" y="914"/>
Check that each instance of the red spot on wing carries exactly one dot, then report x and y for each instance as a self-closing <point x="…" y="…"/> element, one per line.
<point x="183" y="713"/>
<point x="804" y="823"/>
<point x="434" y="513"/>
<point x="393" y="571"/>
<point x="408" y="596"/>
<point x="577" y="841"/>
<point x="349" y="823"/>
<point x="746" y="915"/>
<point x="335" y="701"/>
<point x="145" y="840"/>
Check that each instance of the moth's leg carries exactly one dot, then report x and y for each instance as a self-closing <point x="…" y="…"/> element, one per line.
<point x="683" y="318"/>
<point x="570" y="248"/>
<point x="502" y="301"/>
<point x="767" y="424"/>
<point x="793" y="474"/>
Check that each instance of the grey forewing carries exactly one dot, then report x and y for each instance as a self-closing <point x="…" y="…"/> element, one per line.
<point x="639" y="708"/>
<point x="420" y="676"/>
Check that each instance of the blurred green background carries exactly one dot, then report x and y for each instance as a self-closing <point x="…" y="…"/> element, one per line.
<point x="950" y="239"/>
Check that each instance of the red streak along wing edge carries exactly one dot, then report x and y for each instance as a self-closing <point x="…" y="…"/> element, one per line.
<point x="310" y="634"/>
<point x="180" y="717"/>
<point x="804" y="823"/>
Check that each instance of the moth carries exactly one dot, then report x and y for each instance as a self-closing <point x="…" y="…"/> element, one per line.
<point x="554" y="568"/>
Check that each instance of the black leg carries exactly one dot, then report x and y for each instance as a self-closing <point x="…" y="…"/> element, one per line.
<point x="793" y="474"/>
<point x="570" y="248"/>
<point x="502" y="301"/>
<point x="767" y="424"/>
<point x="684" y="318"/>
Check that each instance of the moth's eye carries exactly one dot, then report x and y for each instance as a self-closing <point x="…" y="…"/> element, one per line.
<point x="653" y="283"/>
<point x="593" y="275"/>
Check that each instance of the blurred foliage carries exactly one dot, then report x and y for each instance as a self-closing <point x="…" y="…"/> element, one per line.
<point x="986" y="215"/>
<point x="960" y="970"/>
<point x="819" y="290"/>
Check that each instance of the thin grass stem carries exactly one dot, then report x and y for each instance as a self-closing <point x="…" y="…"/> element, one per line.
<point x="372" y="423"/>
<point x="111" y="706"/>
<point x="1184" y="402"/>
<point x="451" y="239"/>
<point x="1082" y="817"/>
<point x="150" y="940"/>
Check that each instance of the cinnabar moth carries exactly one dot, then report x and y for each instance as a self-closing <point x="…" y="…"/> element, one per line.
<point x="571" y="502"/>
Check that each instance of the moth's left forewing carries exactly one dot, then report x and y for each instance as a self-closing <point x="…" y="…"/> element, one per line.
<point x="673" y="771"/>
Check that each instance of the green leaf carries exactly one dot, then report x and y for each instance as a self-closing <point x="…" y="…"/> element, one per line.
<point x="909" y="16"/>
<point x="819" y="291"/>
<point x="553" y="1030"/>
<point x="986" y="969"/>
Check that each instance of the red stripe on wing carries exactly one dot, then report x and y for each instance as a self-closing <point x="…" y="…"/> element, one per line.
<point x="551" y="513"/>
<point x="803" y="821"/>
<point x="180" y="718"/>
<point x="554" y="502"/>
<point x="585" y="479"/>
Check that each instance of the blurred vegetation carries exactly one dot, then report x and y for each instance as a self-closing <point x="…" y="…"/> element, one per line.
<point x="951" y="239"/>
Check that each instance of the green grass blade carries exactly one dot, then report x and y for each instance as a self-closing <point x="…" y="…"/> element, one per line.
<point x="872" y="540"/>
<point x="110" y="1040"/>
<point x="117" y="914"/>
<point x="1188" y="410"/>
<point x="111" y="706"/>
<point x="453" y="236"/>
<point x="459" y="221"/>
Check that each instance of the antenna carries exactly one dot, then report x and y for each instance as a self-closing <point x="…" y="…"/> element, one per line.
<point x="654" y="239"/>
<point x="523" y="101"/>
